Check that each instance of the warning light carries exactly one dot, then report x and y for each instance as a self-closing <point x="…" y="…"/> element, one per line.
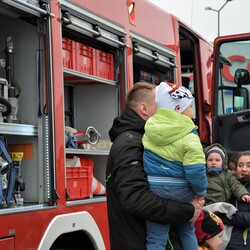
<point x="131" y="11"/>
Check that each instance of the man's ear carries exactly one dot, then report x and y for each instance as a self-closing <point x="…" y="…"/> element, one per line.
<point x="143" y="108"/>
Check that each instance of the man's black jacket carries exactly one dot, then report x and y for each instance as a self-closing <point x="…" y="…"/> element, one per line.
<point x="129" y="200"/>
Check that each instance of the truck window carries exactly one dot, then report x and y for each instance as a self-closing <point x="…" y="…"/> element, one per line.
<point x="230" y="99"/>
<point x="233" y="76"/>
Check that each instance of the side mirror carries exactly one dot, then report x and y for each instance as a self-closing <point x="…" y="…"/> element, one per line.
<point x="241" y="77"/>
<point x="240" y="99"/>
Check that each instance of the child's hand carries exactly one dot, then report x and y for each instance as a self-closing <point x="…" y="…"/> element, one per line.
<point x="201" y="200"/>
<point x="246" y="198"/>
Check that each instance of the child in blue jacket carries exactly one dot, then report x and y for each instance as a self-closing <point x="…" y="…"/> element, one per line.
<point x="174" y="160"/>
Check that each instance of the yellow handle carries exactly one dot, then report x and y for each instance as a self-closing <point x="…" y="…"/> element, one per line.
<point x="16" y="156"/>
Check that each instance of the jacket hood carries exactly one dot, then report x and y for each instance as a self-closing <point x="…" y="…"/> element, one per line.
<point x="128" y="120"/>
<point x="224" y="151"/>
<point x="168" y="126"/>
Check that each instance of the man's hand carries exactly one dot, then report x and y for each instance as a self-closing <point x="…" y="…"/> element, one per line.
<point x="197" y="209"/>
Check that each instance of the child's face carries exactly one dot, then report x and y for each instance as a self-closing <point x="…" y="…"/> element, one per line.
<point x="215" y="242"/>
<point x="214" y="160"/>
<point x="231" y="166"/>
<point x="189" y="111"/>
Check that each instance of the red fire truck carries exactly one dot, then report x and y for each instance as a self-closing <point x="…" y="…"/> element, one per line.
<point x="65" y="67"/>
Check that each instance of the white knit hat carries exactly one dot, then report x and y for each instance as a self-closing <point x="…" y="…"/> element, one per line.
<point x="172" y="96"/>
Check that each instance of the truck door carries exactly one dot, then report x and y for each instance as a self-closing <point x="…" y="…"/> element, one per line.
<point x="231" y="92"/>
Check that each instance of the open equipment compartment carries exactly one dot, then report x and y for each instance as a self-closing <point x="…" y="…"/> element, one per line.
<point x="25" y="64"/>
<point x="93" y="85"/>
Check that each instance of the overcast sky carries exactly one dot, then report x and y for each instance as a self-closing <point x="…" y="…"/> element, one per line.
<point x="234" y="16"/>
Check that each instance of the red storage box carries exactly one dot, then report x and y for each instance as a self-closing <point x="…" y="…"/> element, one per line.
<point x="68" y="53"/>
<point x="85" y="59"/>
<point x="105" y="65"/>
<point x="79" y="180"/>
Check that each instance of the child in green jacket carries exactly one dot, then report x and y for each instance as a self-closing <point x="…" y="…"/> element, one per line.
<point x="173" y="160"/>
<point x="222" y="184"/>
